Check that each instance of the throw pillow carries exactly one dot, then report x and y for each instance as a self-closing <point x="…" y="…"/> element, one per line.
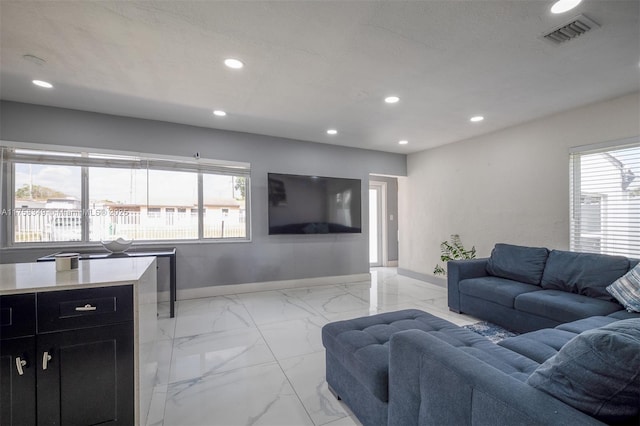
<point x="524" y="264"/>
<point x="597" y="372"/>
<point x="626" y="289"/>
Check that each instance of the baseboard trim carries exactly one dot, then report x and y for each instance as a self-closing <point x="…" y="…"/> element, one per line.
<point x="431" y="279"/>
<point x="225" y="290"/>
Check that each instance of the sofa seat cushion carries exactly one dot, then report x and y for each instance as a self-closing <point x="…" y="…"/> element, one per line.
<point x="538" y="345"/>
<point x="494" y="289"/>
<point x="361" y="345"/>
<point x="562" y="306"/>
<point x="622" y="314"/>
<point x="597" y="372"/>
<point x="588" y="274"/>
<point x="585" y="324"/>
<point x="518" y="263"/>
<point x="509" y="362"/>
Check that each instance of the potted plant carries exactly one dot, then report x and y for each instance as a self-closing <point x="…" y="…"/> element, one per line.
<point x="453" y="250"/>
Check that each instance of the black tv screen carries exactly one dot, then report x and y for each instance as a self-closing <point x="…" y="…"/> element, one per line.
<point x="313" y="205"/>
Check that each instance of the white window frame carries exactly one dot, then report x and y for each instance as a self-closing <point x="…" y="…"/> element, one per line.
<point x="619" y="233"/>
<point x="201" y="166"/>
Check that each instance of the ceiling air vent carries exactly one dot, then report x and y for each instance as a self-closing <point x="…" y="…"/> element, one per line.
<point x="577" y="26"/>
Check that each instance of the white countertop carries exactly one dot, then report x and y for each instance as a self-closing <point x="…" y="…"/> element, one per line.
<point x="18" y="278"/>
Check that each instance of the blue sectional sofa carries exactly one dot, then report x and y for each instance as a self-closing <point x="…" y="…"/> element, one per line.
<point x="357" y="358"/>
<point x="530" y="288"/>
<point x="577" y="363"/>
<point x="411" y="368"/>
<point x="545" y="377"/>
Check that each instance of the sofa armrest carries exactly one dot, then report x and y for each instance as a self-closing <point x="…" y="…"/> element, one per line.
<point x="458" y="270"/>
<point x="434" y="383"/>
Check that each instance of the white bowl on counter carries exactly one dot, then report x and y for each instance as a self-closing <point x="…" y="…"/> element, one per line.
<point x="119" y="245"/>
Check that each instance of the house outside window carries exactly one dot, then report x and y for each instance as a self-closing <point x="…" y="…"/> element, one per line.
<point x="62" y="196"/>
<point x="170" y="216"/>
<point x="46" y="203"/>
<point x="605" y="199"/>
<point x="222" y="205"/>
<point x="592" y="209"/>
<point x="154" y="212"/>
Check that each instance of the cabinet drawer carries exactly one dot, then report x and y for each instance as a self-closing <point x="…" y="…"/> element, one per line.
<point x="70" y="309"/>
<point x="17" y="315"/>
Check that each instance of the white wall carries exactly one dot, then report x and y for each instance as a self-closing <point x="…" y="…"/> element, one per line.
<point x="509" y="186"/>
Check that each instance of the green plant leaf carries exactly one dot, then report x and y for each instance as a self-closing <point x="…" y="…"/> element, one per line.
<point x="453" y="250"/>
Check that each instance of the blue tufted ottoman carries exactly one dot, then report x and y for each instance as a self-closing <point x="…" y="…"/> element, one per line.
<point x="357" y="357"/>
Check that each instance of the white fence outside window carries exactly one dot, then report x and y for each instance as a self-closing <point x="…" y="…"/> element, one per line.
<point x="53" y="225"/>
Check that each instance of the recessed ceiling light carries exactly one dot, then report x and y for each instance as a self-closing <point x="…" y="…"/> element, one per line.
<point x="44" y="84"/>
<point x="403" y="142"/>
<point x="476" y="119"/>
<point x="219" y="113"/>
<point x="562" y="6"/>
<point x="391" y="99"/>
<point x="332" y="132"/>
<point x="234" y="63"/>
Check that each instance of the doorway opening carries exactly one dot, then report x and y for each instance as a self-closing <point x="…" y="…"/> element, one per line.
<point x="383" y="220"/>
<point x="377" y="224"/>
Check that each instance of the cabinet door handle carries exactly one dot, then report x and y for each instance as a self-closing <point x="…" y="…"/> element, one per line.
<point x="45" y="360"/>
<point x="19" y="364"/>
<point x="86" y="308"/>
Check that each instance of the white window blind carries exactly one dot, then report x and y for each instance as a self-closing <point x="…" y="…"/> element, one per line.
<point x="63" y="157"/>
<point x="605" y="199"/>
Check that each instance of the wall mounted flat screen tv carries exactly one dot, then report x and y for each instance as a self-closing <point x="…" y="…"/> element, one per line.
<point x="314" y="205"/>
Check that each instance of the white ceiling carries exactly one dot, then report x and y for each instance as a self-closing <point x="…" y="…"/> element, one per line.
<point x="313" y="65"/>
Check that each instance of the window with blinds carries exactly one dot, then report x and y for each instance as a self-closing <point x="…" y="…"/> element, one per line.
<point x="60" y="194"/>
<point x="605" y="198"/>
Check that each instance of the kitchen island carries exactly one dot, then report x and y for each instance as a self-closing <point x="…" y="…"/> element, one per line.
<point x="78" y="346"/>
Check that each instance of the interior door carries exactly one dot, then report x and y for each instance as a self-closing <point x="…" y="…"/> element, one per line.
<point x="376" y="223"/>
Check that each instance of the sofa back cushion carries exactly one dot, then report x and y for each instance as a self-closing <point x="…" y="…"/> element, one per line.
<point x="583" y="273"/>
<point x="518" y="263"/>
<point x="597" y="372"/>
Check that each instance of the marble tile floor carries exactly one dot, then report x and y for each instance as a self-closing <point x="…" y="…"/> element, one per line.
<point x="257" y="358"/>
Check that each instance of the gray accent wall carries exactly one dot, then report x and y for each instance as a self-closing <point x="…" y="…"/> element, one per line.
<point x="510" y="186"/>
<point x="202" y="264"/>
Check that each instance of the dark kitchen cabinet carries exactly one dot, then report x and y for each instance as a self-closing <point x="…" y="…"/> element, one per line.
<point x="86" y="377"/>
<point x="18" y="359"/>
<point x="18" y="381"/>
<point x="78" y="366"/>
